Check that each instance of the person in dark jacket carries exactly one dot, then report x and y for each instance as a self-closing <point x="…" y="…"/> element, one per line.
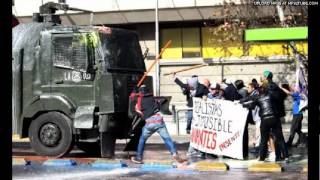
<point x="253" y="94"/>
<point x="231" y="92"/>
<point x="279" y="97"/>
<point x="149" y="110"/>
<point x="192" y="89"/>
<point x="241" y="88"/>
<point x="268" y="115"/>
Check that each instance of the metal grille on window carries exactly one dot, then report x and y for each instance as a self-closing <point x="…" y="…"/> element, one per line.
<point x="70" y="52"/>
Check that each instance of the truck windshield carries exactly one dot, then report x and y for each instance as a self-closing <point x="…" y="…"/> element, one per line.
<point x="121" y="51"/>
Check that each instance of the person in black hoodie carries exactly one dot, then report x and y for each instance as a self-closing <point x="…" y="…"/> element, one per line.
<point x="279" y="97"/>
<point x="149" y="110"/>
<point x="231" y="92"/>
<point x="268" y="114"/>
<point x="192" y="89"/>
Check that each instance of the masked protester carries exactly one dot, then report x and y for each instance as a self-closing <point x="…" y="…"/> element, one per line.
<point x="192" y="89"/>
<point x="149" y="110"/>
<point x="231" y="92"/>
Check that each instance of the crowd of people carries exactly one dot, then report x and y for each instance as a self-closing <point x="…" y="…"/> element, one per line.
<point x="265" y="101"/>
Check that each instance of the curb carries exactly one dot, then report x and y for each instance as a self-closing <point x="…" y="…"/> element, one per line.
<point x="157" y="165"/>
<point x="109" y="164"/>
<point x="161" y="165"/>
<point x="20" y="161"/>
<point x="16" y="138"/>
<point x="60" y="162"/>
<point x="211" y="166"/>
<point x="265" y="167"/>
<point x="150" y="167"/>
<point x="305" y="169"/>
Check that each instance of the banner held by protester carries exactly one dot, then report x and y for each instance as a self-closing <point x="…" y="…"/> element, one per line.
<point x="218" y="126"/>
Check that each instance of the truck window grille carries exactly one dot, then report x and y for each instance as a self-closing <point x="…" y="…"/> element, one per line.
<point x="70" y="52"/>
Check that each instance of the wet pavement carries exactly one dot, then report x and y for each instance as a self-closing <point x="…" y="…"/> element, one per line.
<point x="41" y="172"/>
<point x="155" y="151"/>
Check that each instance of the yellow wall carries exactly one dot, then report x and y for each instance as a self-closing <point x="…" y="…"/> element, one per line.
<point x="211" y="45"/>
<point x="275" y="48"/>
<point x="185" y="40"/>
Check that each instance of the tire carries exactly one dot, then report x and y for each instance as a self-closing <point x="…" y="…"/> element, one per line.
<point x="51" y="134"/>
<point x="90" y="148"/>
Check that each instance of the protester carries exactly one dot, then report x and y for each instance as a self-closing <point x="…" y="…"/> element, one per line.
<point x="255" y="83"/>
<point x="253" y="90"/>
<point x="192" y="89"/>
<point x="215" y="92"/>
<point x="241" y="88"/>
<point x="253" y="118"/>
<point x="297" y="116"/>
<point x="206" y="83"/>
<point x="268" y="115"/>
<point x="231" y="93"/>
<point x="149" y="109"/>
<point x="279" y="96"/>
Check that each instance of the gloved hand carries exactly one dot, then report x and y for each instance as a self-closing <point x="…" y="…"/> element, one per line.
<point x="174" y="76"/>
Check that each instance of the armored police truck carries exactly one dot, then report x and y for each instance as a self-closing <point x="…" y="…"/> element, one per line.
<point x="71" y="85"/>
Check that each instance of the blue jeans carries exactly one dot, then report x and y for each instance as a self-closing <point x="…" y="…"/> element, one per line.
<point x="189" y="119"/>
<point x="148" y="130"/>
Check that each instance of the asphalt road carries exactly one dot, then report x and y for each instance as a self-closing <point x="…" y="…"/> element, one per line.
<point x="154" y="151"/>
<point x="40" y="173"/>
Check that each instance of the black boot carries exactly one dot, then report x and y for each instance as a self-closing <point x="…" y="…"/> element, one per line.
<point x="300" y="140"/>
<point x="289" y="142"/>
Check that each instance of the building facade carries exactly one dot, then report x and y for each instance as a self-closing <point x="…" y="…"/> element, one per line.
<point x="202" y="32"/>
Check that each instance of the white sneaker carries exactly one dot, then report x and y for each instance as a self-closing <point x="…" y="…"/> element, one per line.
<point x="191" y="153"/>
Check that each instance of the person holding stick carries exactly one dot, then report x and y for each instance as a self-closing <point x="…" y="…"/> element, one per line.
<point x="148" y="109"/>
<point x="192" y="89"/>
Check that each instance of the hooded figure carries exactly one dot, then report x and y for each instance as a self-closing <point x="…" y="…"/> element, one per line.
<point x="231" y="92"/>
<point x="149" y="109"/>
<point x="192" y="89"/>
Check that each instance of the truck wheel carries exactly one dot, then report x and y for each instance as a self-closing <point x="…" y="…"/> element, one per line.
<point x="51" y="134"/>
<point x="91" y="148"/>
<point x="107" y="144"/>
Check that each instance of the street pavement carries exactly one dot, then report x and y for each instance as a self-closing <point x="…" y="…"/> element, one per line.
<point x="158" y="164"/>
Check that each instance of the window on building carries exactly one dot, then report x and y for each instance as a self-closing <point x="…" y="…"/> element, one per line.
<point x="191" y="46"/>
<point x="175" y="49"/>
<point x="185" y="43"/>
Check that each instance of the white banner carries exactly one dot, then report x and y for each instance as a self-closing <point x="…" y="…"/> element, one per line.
<point x="218" y="126"/>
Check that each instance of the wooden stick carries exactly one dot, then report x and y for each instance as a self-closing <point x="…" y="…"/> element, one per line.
<point x="186" y="69"/>
<point x="154" y="62"/>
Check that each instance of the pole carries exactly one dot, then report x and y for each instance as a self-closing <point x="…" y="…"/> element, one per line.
<point x="186" y="69"/>
<point x="157" y="77"/>
<point x="154" y="62"/>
